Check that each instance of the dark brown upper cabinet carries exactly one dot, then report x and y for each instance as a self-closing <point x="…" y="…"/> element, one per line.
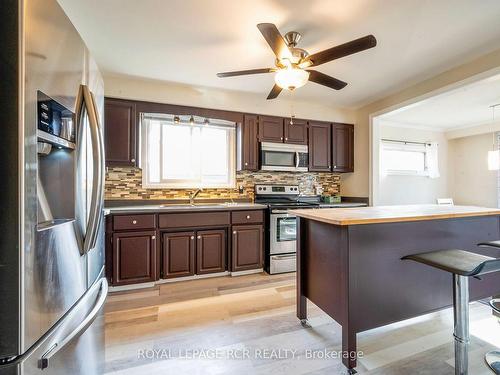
<point x="120" y="132"/>
<point x="210" y="251"/>
<point x="247" y="246"/>
<point x="320" y="150"/>
<point x="342" y="147"/>
<point x="297" y="132"/>
<point x="247" y="143"/>
<point x="134" y="257"/>
<point x="271" y="129"/>
<point x="178" y="254"/>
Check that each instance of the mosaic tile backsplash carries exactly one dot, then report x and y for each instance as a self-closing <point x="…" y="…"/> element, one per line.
<point x="126" y="183"/>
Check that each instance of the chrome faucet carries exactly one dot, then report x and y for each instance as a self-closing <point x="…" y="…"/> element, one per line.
<point x="192" y="196"/>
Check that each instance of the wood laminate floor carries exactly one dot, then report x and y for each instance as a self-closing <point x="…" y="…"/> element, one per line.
<point x="247" y="325"/>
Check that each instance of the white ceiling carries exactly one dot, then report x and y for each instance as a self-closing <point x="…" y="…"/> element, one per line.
<point x="463" y="107"/>
<point x="189" y="41"/>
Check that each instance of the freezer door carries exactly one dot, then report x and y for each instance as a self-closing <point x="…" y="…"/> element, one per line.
<point x="76" y="347"/>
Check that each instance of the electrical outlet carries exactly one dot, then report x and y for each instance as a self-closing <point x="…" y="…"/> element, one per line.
<point x="241" y="190"/>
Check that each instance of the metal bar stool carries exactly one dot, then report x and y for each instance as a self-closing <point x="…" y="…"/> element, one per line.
<point x="493" y="358"/>
<point x="462" y="265"/>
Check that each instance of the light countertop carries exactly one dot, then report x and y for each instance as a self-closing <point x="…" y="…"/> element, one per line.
<point x="392" y="214"/>
<point x="151" y="208"/>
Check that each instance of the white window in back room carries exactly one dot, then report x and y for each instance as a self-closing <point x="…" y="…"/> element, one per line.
<point x="187" y="154"/>
<point x="409" y="158"/>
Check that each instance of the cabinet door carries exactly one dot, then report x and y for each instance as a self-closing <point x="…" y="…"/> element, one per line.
<point x="178" y="254"/>
<point x="247" y="246"/>
<point x="119" y="132"/>
<point x="270" y="129"/>
<point x="210" y="251"/>
<point x="297" y="132"/>
<point x="134" y="257"/>
<point x="320" y="146"/>
<point x="342" y="147"/>
<point x="248" y="145"/>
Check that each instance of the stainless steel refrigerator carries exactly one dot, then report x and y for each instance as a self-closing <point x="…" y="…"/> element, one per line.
<point x="52" y="284"/>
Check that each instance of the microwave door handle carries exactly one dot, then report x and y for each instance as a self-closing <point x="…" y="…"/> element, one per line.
<point x="297" y="159"/>
<point x="93" y="221"/>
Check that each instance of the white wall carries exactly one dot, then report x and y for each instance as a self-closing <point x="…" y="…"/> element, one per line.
<point x="470" y="181"/>
<point x="358" y="183"/>
<point x="400" y="189"/>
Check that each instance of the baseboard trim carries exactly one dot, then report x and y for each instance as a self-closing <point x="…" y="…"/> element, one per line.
<point x="123" y="288"/>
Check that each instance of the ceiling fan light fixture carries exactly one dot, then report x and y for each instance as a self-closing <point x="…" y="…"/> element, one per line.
<point x="291" y="78"/>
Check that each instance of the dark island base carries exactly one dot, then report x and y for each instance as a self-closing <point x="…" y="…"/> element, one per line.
<point x="355" y="275"/>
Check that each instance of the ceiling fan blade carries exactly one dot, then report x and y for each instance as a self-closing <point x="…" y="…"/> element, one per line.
<point x="342" y="50"/>
<point x="275" y="40"/>
<point x="245" y="72"/>
<point x="274" y="92"/>
<point x="325" y="80"/>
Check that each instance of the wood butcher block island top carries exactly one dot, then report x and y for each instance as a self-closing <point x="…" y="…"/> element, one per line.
<point x="392" y="214"/>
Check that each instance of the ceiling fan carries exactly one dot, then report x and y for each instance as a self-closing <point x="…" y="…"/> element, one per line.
<point x="292" y="62"/>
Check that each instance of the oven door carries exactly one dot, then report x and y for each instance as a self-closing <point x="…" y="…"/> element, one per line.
<point x="283" y="233"/>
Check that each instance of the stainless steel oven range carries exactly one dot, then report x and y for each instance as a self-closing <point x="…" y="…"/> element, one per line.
<point x="282" y="226"/>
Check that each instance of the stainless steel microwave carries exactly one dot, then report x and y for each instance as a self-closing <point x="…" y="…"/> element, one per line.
<point x="284" y="157"/>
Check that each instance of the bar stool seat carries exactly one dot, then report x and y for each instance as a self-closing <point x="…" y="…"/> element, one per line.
<point x="462" y="265"/>
<point x="458" y="262"/>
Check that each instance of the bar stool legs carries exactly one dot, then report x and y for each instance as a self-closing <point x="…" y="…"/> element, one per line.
<point x="493" y="358"/>
<point x="461" y="320"/>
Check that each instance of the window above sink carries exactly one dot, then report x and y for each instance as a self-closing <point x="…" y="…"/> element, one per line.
<point x="187" y="152"/>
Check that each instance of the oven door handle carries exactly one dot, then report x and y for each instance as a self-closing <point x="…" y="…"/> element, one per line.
<point x="281" y="212"/>
<point x="283" y="257"/>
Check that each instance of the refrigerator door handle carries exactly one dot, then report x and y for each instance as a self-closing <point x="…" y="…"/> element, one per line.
<point x="102" y="284"/>
<point x="100" y="171"/>
<point x="86" y="99"/>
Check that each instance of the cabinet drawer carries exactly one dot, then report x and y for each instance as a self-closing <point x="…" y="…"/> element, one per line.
<point x="125" y="222"/>
<point x="243" y="217"/>
<point x="198" y="219"/>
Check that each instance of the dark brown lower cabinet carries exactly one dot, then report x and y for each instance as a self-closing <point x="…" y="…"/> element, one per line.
<point x="247" y="246"/>
<point x="178" y="256"/>
<point x="210" y="251"/>
<point x="134" y="257"/>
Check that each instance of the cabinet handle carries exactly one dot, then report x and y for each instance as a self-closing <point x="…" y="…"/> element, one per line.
<point x="234" y="232"/>
<point x="248" y="216"/>
<point x="329" y="166"/>
<point x="334" y="166"/>
<point x="246" y="163"/>
<point x="192" y="237"/>
<point x="132" y="160"/>
<point x="199" y="237"/>
<point x="281" y="138"/>
<point x="286" y="139"/>
<point x="134" y="222"/>
<point x="153" y="237"/>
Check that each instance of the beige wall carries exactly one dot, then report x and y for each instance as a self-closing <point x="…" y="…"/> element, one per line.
<point x="127" y="87"/>
<point x="357" y="183"/>
<point x="470" y="181"/>
<point x="402" y="189"/>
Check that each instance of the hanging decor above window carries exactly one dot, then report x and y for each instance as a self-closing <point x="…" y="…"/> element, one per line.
<point x="494" y="154"/>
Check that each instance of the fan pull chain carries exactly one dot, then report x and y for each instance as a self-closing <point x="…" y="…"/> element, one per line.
<point x="292" y="112"/>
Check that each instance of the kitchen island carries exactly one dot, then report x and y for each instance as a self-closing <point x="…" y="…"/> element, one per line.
<point x="349" y="263"/>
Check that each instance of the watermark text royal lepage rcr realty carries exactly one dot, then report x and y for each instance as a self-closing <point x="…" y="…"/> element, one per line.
<point x="245" y="353"/>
